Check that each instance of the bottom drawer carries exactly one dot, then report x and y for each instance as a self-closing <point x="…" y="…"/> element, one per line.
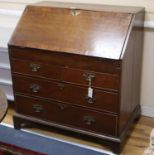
<point x="67" y="115"/>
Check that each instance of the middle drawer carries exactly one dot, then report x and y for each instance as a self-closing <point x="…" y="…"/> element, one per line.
<point x="101" y="100"/>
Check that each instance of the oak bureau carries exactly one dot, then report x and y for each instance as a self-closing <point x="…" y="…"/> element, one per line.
<point x="77" y="67"/>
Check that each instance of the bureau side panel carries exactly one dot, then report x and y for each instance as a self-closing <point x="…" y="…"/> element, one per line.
<point x="131" y="73"/>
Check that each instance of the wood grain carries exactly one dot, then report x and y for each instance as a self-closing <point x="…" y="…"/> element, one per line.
<point x="67" y="115"/>
<point x="103" y="100"/>
<point x="66" y="74"/>
<point x="83" y="34"/>
<point x="66" y="60"/>
<point x="131" y="72"/>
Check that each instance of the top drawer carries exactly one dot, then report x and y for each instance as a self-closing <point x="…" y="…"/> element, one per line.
<point x="78" y="61"/>
<point x="65" y="74"/>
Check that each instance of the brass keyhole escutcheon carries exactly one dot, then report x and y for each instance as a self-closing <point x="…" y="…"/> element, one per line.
<point x="35" y="88"/>
<point x="89" y="120"/>
<point x="61" y="86"/>
<point x="75" y="12"/>
<point x="34" y="67"/>
<point x="37" y="108"/>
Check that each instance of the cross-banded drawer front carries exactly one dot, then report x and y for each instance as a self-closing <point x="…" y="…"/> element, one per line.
<point x="101" y="100"/>
<point x="63" y="59"/>
<point x="67" y="115"/>
<point x="35" y="87"/>
<point x="69" y="75"/>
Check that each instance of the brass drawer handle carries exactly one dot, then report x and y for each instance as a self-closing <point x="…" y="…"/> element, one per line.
<point x="89" y="120"/>
<point x="61" y="86"/>
<point x="62" y="106"/>
<point x="35" y="88"/>
<point x="34" y="67"/>
<point x="37" y="108"/>
<point x="90" y="100"/>
<point x="88" y="76"/>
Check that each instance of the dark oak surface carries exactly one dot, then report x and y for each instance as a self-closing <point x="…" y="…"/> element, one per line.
<point x="103" y="100"/>
<point x="66" y="74"/>
<point x="3" y="105"/>
<point x="67" y="115"/>
<point x="83" y="34"/>
<point x="56" y="54"/>
<point x="131" y="72"/>
<point x="66" y="59"/>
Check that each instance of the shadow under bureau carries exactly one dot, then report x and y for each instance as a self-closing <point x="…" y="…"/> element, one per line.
<point x="77" y="67"/>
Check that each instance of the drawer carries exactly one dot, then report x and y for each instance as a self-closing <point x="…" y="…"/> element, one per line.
<point x="101" y="100"/>
<point x="66" y="59"/>
<point x="67" y="115"/>
<point x="37" y="69"/>
<point x="75" y="76"/>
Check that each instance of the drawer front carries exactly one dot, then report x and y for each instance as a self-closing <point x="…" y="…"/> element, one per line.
<point x="101" y="100"/>
<point x="36" y="69"/>
<point x="66" y="59"/>
<point x="75" y="76"/>
<point x="67" y="115"/>
<point x="36" y="87"/>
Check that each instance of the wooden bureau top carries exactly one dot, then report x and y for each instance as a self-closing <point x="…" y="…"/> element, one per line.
<point x="52" y="26"/>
